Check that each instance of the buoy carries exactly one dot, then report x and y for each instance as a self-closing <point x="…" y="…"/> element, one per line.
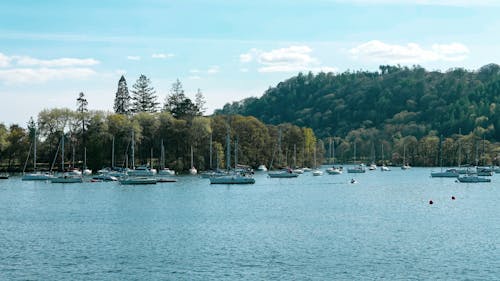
<point x="430" y="202"/>
<point x="452" y="197"/>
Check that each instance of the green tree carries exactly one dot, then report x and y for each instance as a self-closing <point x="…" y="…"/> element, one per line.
<point x="122" y="98"/>
<point x="143" y="96"/>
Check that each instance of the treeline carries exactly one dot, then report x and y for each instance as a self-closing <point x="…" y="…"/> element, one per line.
<point x="391" y="107"/>
<point x="256" y="142"/>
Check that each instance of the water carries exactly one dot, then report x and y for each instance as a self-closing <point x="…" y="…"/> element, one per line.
<point x="308" y="228"/>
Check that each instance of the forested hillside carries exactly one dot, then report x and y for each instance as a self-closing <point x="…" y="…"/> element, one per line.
<point x="393" y="104"/>
<point x="413" y="99"/>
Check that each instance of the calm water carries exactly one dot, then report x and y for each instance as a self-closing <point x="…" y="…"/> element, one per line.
<point x="309" y="228"/>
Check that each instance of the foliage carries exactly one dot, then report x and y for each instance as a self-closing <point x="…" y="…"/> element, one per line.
<point x="122" y="98"/>
<point x="143" y="96"/>
<point x="396" y="106"/>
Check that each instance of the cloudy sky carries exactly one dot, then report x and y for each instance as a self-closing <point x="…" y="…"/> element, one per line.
<point x="230" y="49"/>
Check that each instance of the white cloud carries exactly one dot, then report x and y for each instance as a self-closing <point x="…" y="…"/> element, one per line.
<point x="243" y="69"/>
<point x="194" y="77"/>
<point x="39" y="75"/>
<point x="410" y="53"/>
<point x="213" y="69"/>
<point x="161" y="56"/>
<point x="133" y="57"/>
<point x="4" y="60"/>
<point x="62" y="62"/>
<point x="290" y="59"/>
<point x="244" y="58"/>
<point x="194" y="71"/>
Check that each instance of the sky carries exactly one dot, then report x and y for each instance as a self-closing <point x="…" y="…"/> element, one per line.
<point x="50" y="51"/>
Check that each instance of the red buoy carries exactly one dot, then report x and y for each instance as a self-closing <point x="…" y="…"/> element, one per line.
<point x="452" y="197"/>
<point x="430" y="202"/>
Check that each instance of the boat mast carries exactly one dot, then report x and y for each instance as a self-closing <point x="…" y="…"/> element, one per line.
<point x="34" y="151"/>
<point x="228" y="150"/>
<point x="235" y="153"/>
<point x="62" y="152"/>
<point x="162" y="156"/>
<point x="113" y="153"/>
<point x="84" y="158"/>
<point x="133" y="151"/>
<point x="210" y="151"/>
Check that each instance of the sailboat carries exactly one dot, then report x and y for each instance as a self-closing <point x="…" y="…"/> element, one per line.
<point x="449" y="173"/>
<point x="333" y="170"/>
<point x="316" y="171"/>
<point x="66" y="177"/>
<point x="405" y="165"/>
<point x="236" y="176"/>
<point x="164" y="171"/>
<point x="358" y="168"/>
<point x="139" y="175"/>
<point x="383" y="168"/>
<point x="36" y="175"/>
<point x="286" y="173"/>
<point x="192" y="170"/>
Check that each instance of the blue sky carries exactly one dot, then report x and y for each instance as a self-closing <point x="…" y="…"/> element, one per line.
<point x="52" y="50"/>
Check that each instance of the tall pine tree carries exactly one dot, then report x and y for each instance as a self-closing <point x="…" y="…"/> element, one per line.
<point x="122" y="98"/>
<point x="144" y="98"/>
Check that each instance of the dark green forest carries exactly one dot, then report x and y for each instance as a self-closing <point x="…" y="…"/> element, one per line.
<point x="398" y="108"/>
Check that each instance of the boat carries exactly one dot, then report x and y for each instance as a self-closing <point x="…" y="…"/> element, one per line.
<point x="104" y="177"/>
<point x="484" y="171"/>
<point x="472" y="179"/>
<point x="405" y="165"/>
<point x="298" y="171"/>
<point x="69" y="176"/>
<point x="192" y="170"/>
<point x="4" y="176"/>
<point x="141" y="171"/>
<point x="165" y="179"/>
<point x="383" y="168"/>
<point x="240" y="175"/>
<point x="317" y="172"/>
<point x="353" y="181"/>
<point x="36" y="175"/>
<point x="140" y="175"/>
<point x="262" y="168"/>
<point x="288" y="173"/>
<point x="233" y="178"/>
<point x="164" y="171"/>
<point x="372" y="167"/>
<point x="448" y="173"/>
<point x="358" y="168"/>
<point x="334" y="170"/>
<point x="137" y="180"/>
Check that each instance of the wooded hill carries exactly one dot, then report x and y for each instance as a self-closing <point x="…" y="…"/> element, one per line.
<point x="392" y="105"/>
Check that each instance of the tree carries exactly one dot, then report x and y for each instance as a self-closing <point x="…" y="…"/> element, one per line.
<point x="178" y="104"/>
<point x="144" y="98"/>
<point x="122" y="98"/>
<point x="200" y="102"/>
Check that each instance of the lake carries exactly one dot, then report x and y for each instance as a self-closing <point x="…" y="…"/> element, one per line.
<point x="307" y="228"/>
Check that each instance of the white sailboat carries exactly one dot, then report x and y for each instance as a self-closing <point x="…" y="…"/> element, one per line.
<point x="316" y="171"/>
<point x="36" y="175"/>
<point x="66" y="177"/>
<point x="449" y="173"/>
<point x="405" y="165"/>
<point x="236" y="176"/>
<point x="358" y="168"/>
<point x="139" y="175"/>
<point x="383" y="168"/>
<point x="192" y="170"/>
